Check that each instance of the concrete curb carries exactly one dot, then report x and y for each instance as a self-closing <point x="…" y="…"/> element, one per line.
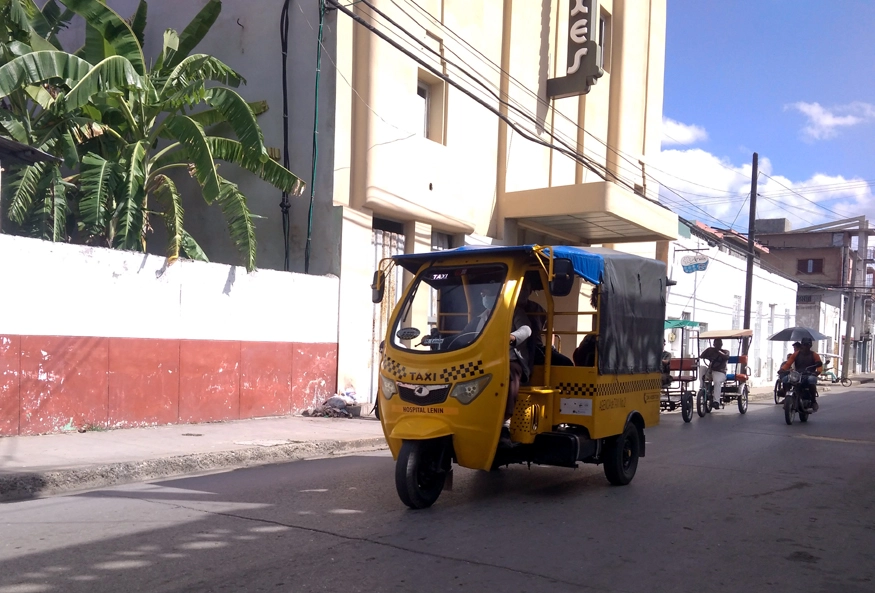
<point x="22" y="486"/>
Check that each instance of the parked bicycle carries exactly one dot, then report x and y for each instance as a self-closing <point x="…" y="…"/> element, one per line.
<point x="828" y="373"/>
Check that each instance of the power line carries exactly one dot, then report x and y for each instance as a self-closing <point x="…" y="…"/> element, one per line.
<point x="804" y="198"/>
<point x="829" y="187"/>
<point x="600" y="170"/>
<point x="571" y="153"/>
<point x="521" y="86"/>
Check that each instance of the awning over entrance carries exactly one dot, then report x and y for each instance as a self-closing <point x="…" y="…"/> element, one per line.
<point x="591" y="213"/>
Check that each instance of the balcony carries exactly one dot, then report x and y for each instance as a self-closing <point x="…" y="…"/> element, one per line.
<point x="591" y="213"/>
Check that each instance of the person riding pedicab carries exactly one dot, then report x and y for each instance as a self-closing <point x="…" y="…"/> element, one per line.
<point x="665" y="365"/>
<point x="717" y="358"/>
<point x="808" y="362"/>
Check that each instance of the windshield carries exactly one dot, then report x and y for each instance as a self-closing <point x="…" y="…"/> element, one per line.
<point x="448" y="307"/>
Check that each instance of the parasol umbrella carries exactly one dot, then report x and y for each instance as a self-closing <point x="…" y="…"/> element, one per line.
<point x="795" y="334"/>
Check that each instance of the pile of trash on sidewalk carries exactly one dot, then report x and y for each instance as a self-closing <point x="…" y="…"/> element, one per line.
<point x="342" y="405"/>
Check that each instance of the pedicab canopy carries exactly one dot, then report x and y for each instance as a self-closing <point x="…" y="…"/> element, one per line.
<point x="632" y="302"/>
<point x="726" y="334"/>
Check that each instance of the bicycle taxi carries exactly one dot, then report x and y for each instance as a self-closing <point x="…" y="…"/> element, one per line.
<point x="679" y="373"/>
<point x="445" y="371"/>
<point x="735" y="388"/>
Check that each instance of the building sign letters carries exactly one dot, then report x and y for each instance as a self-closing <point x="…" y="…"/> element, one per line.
<point x="584" y="59"/>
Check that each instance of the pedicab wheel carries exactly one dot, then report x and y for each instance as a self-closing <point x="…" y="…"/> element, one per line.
<point x="788" y="409"/>
<point x="687" y="407"/>
<point x="418" y="479"/>
<point x="846" y="382"/>
<point x="700" y="403"/>
<point x="621" y="456"/>
<point x="742" y="400"/>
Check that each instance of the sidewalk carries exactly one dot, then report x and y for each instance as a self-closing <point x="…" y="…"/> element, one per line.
<point x="35" y="466"/>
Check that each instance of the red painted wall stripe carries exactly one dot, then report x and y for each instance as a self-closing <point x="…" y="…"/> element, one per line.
<point x="53" y="383"/>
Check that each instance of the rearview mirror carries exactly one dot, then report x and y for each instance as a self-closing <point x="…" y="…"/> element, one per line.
<point x="563" y="277"/>
<point x="378" y="286"/>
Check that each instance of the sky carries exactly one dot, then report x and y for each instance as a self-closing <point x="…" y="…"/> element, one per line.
<point x="792" y="80"/>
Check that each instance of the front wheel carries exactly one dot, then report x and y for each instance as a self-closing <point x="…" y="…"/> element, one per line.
<point x="846" y="382"/>
<point x="419" y="477"/>
<point x="742" y="400"/>
<point x="789" y="409"/>
<point x="700" y="402"/>
<point x="687" y="407"/>
<point x="621" y="456"/>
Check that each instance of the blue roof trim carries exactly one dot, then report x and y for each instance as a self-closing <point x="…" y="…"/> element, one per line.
<point x="588" y="265"/>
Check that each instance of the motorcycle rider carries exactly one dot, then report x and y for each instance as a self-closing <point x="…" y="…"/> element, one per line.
<point x="803" y="361"/>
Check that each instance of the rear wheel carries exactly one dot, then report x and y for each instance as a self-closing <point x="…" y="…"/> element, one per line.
<point x="803" y="416"/>
<point x="742" y="400"/>
<point x="777" y="392"/>
<point x="687" y="407"/>
<point x="419" y="478"/>
<point x="846" y="382"/>
<point x="700" y="402"/>
<point x="621" y="456"/>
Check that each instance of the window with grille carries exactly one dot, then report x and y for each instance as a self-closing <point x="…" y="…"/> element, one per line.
<point x="809" y="266"/>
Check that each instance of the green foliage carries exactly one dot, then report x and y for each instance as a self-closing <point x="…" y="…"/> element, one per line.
<point x="120" y="129"/>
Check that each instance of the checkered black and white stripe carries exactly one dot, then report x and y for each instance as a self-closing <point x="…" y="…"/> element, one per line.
<point x="462" y="371"/>
<point x="605" y="389"/>
<point x="394" y="368"/>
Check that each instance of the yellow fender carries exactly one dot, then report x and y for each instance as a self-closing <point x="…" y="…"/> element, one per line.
<point x="420" y="429"/>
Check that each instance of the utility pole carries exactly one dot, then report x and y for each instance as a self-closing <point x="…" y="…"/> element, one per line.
<point x="748" y="290"/>
<point x="852" y="298"/>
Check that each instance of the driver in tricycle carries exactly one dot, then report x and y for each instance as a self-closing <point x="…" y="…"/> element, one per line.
<point x="717" y="358"/>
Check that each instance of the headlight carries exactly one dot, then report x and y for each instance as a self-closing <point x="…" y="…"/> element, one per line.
<point x="468" y="390"/>
<point x="388" y="387"/>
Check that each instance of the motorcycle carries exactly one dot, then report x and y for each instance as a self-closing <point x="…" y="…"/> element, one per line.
<point x="800" y="385"/>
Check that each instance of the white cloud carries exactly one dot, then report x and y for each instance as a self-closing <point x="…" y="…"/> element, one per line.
<point x="700" y="186"/>
<point x="676" y="133"/>
<point x="824" y="123"/>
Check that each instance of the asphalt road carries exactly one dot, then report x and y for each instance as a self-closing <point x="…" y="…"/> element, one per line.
<point x="725" y="503"/>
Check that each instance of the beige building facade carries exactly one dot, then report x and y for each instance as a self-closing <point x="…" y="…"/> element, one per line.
<point x="444" y="136"/>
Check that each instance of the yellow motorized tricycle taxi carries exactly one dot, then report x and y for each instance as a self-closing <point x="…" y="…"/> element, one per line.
<point x="590" y="361"/>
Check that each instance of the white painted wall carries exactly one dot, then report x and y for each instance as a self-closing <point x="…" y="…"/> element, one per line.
<point x="710" y="297"/>
<point x="71" y="290"/>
